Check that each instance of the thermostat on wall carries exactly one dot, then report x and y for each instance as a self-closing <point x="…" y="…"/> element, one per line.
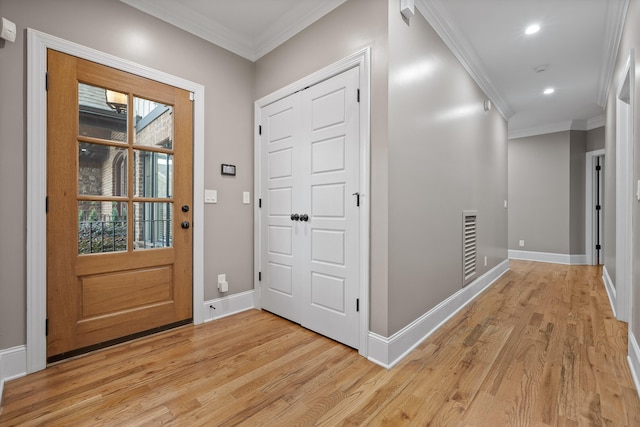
<point x="228" y="170"/>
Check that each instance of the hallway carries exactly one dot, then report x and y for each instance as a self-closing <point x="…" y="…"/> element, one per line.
<point x="540" y="347"/>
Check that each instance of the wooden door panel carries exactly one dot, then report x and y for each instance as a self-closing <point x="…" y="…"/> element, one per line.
<point x="116" y="292"/>
<point x="97" y="297"/>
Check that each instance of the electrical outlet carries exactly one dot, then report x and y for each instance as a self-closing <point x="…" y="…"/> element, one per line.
<point x="521" y="243"/>
<point x="223" y="286"/>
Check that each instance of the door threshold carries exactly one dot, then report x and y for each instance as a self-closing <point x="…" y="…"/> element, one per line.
<point x="52" y="360"/>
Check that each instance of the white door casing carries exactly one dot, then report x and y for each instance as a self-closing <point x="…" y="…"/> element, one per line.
<point x="310" y="172"/>
<point x="624" y="190"/>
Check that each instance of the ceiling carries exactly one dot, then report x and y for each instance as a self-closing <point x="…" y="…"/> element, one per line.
<point x="576" y="46"/>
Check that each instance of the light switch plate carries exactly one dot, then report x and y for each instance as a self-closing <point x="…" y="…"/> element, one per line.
<point x="246" y="197"/>
<point x="210" y="196"/>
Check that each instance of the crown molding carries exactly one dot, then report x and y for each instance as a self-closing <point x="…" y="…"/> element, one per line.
<point x="453" y="37"/>
<point x="540" y="130"/>
<point x="286" y="27"/>
<point x="563" y="126"/>
<point x="596" y="122"/>
<point x="615" y="17"/>
<point x="212" y="31"/>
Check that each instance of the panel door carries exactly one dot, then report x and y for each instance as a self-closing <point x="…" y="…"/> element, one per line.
<point x="309" y="217"/>
<point x="329" y="186"/>
<point x="119" y="187"/>
<point x="281" y="142"/>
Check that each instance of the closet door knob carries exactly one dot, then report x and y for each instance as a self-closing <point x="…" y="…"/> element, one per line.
<point x="304" y="217"/>
<point x="295" y="217"/>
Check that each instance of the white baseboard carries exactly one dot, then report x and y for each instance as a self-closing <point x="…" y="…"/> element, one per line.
<point x="13" y="364"/>
<point x="634" y="361"/>
<point x="548" y="257"/>
<point x="228" y="305"/>
<point x="611" y="289"/>
<point x="387" y="352"/>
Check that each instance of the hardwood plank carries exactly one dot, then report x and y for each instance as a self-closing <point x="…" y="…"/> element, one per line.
<point x="538" y="348"/>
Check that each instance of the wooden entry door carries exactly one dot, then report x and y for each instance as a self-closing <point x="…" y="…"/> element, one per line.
<point x="310" y="211"/>
<point x="119" y="196"/>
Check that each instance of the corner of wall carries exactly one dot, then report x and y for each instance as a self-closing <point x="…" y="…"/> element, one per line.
<point x="13" y="364"/>
<point x="388" y="352"/>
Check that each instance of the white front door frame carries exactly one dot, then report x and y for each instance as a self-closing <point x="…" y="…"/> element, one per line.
<point x="38" y="43"/>
<point x="362" y="60"/>
<point x="590" y="225"/>
<point x="624" y="189"/>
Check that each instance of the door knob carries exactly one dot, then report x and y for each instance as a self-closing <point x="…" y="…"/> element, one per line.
<point x="185" y="208"/>
<point x="185" y="224"/>
<point x="295" y="217"/>
<point x="304" y="217"/>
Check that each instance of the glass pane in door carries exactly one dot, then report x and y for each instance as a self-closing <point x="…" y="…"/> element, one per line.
<point x="152" y="225"/>
<point x="153" y="124"/>
<point x="102" y="113"/>
<point x="102" y="170"/>
<point x="153" y="174"/>
<point x="102" y="227"/>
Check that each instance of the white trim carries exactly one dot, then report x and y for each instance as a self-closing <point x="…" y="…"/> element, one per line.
<point x="614" y="19"/>
<point x="596" y="122"/>
<point x="624" y="189"/>
<point x="539" y="130"/>
<point x="610" y="288"/>
<point x="437" y="16"/>
<point x="567" y="125"/>
<point x="212" y="30"/>
<point x="362" y="60"/>
<point x="38" y="43"/>
<point x="548" y="257"/>
<point x="13" y="364"/>
<point x="590" y="226"/>
<point x="387" y="352"/>
<point x="228" y="305"/>
<point x="634" y="361"/>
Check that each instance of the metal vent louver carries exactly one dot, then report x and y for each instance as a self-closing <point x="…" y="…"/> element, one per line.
<point x="469" y="245"/>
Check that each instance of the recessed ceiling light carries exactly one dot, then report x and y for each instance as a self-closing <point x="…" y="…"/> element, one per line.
<point x="532" y="29"/>
<point x="549" y="91"/>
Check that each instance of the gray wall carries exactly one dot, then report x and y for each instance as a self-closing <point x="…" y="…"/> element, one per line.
<point x="547" y="192"/>
<point x="229" y="84"/>
<point x="577" y="190"/>
<point x="539" y="203"/>
<point x="446" y="155"/>
<point x="595" y="139"/>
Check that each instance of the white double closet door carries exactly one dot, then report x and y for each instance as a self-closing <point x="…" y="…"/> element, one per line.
<point x="309" y="220"/>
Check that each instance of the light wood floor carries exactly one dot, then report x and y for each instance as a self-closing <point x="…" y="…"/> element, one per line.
<point x="539" y="348"/>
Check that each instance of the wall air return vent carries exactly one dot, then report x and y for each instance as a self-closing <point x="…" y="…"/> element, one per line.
<point x="469" y="245"/>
